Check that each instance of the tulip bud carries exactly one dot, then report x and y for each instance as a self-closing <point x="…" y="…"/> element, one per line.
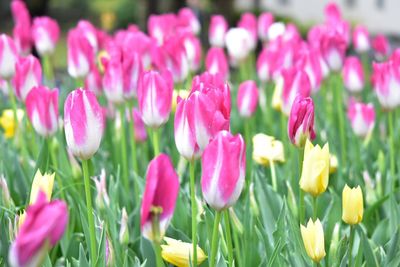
<point x="124" y="230"/>
<point x="7" y="121"/>
<point x="295" y="82"/>
<point x="352" y="205"/>
<point x="277" y="95"/>
<point x="45" y="33"/>
<point x="239" y="44"/>
<point x="253" y="202"/>
<point x="217" y="31"/>
<point x="8" y="57"/>
<point x="159" y="197"/>
<point x="333" y="163"/>
<point x="193" y="50"/>
<point x="93" y="81"/>
<point x="381" y="46"/>
<point x="315" y="173"/>
<point x="217" y="63"/>
<point x="362" y="117"/>
<point x="155" y="97"/>
<point x="265" y="20"/>
<point x="248" y="21"/>
<point x="80" y="54"/>
<point x="276" y="30"/>
<point x="301" y="121"/>
<point x="43" y="227"/>
<point x="179" y="253"/>
<point x="353" y="75"/>
<point x="333" y="48"/>
<point x="22" y="28"/>
<point x="309" y="60"/>
<point x="5" y="193"/>
<point x="223" y="167"/>
<point x="361" y="41"/>
<point x="247" y="98"/>
<point x="313" y="239"/>
<point x="42" y="108"/>
<point x="102" y="199"/>
<point x="89" y="32"/>
<point x="188" y="20"/>
<point x="334" y="240"/>
<point x="113" y="80"/>
<point x="266" y="149"/>
<point x="28" y="74"/>
<point x="386" y="82"/>
<point x="42" y="183"/>
<point x="160" y="27"/>
<point x="83" y="123"/>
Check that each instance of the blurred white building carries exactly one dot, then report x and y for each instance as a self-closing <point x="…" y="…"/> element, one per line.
<point x="378" y="15"/>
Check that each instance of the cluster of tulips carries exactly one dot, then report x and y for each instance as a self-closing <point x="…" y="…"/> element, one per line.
<point x="128" y="84"/>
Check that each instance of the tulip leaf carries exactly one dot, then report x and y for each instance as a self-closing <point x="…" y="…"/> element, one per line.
<point x="392" y="248"/>
<point x="83" y="262"/>
<point x="42" y="162"/>
<point x="369" y="254"/>
<point x="340" y="252"/>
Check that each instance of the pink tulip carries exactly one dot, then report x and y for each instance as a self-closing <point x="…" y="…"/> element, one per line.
<point x="201" y="116"/>
<point x="248" y="21"/>
<point x="309" y="61"/>
<point x="332" y="13"/>
<point x="155" y="97"/>
<point x="333" y="49"/>
<point x="161" y="190"/>
<point x="89" y="32"/>
<point x="193" y="50"/>
<point x="42" y="108"/>
<point x="216" y="62"/>
<point x="83" y="123"/>
<point x="80" y="54"/>
<point x="93" y="81"/>
<point x="8" y="57"/>
<point x="301" y="121"/>
<point x="43" y="227"/>
<point x="217" y="30"/>
<point x="141" y="44"/>
<point x="223" y="167"/>
<point x="139" y="127"/>
<point x="266" y="62"/>
<point x="113" y="80"/>
<point x="247" y="98"/>
<point x="381" y="46"/>
<point x="362" y="117"/>
<point x="265" y="20"/>
<point x="353" y="75"/>
<point x="239" y="43"/>
<point x="22" y="27"/>
<point x="276" y="30"/>
<point x="161" y="27"/>
<point x="45" y="33"/>
<point x="188" y="20"/>
<point x="28" y="74"/>
<point x="295" y="82"/>
<point x="386" y="82"/>
<point x="361" y="41"/>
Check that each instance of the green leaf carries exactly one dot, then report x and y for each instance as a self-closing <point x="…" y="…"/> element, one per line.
<point x="369" y="254"/>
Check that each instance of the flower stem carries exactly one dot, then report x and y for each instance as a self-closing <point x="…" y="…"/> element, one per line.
<point x="273" y="176"/>
<point x="157" y="236"/>
<point x="54" y="162"/>
<point x="301" y="193"/>
<point x="339" y="105"/>
<point x="214" y="242"/>
<point x="92" y="233"/>
<point x="156" y="145"/>
<point x="351" y="244"/>
<point x="47" y="68"/>
<point x="133" y="141"/>
<point x="391" y="142"/>
<point x="315" y="208"/>
<point x="228" y="237"/>
<point x="124" y="161"/>
<point x="194" y="211"/>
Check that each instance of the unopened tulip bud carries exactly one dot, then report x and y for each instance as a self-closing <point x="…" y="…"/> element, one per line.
<point x="80" y="54"/>
<point x="301" y="121"/>
<point x="8" y="57"/>
<point x="217" y="63"/>
<point x="217" y="30"/>
<point x="22" y="26"/>
<point x="315" y="172"/>
<point x="179" y="253"/>
<point x="222" y="188"/>
<point x="265" y="20"/>
<point x="102" y="199"/>
<point x="247" y="98"/>
<point x="28" y="74"/>
<point x="353" y="75"/>
<point x="386" y="81"/>
<point x="238" y="42"/>
<point x="362" y="117"/>
<point x="295" y="82"/>
<point x="42" y="183"/>
<point x="45" y="33"/>
<point x="353" y="206"/>
<point x="5" y="193"/>
<point x="381" y="46"/>
<point x="248" y="21"/>
<point x="333" y="48"/>
<point x="124" y="230"/>
<point x="361" y="40"/>
<point x="83" y="123"/>
<point x="313" y="239"/>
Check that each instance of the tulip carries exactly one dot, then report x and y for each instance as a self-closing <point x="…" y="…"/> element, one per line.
<point x="386" y="82"/>
<point x="177" y="60"/>
<point x="239" y="43"/>
<point x="216" y="62"/>
<point x="43" y="227"/>
<point x="89" y="32"/>
<point x="124" y="230"/>
<point x="159" y="197"/>
<point x="193" y="50"/>
<point x="83" y="123"/>
<point x="265" y="20"/>
<point x="266" y="149"/>
<point x="361" y="41"/>
<point x="45" y="33"/>
<point x="188" y="20"/>
<point x="275" y="30"/>
<point x="22" y="28"/>
<point x="102" y="199"/>
<point x="179" y="253"/>
<point x="139" y="127"/>
<point x="42" y="108"/>
<point x="113" y="80"/>
<point x="247" y="98"/>
<point x="8" y="57"/>
<point x="315" y="173"/>
<point x="277" y="102"/>
<point x="309" y="61"/>
<point x="217" y="31"/>
<point x="28" y="74"/>
<point x="333" y="49"/>
<point x="80" y="54"/>
<point x="41" y="183"/>
<point x="5" y="192"/>
<point x="352" y="205"/>
<point x="313" y="239"/>
<point x="333" y="164"/>
<point x="223" y="165"/>
<point x="381" y="46"/>
<point x="248" y="21"/>
<point x="353" y="75"/>
<point x="362" y="117"/>
<point x="295" y="82"/>
<point x="7" y="121"/>
<point x="155" y="97"/>
<point x="93" y="81"/>
<point x="161" y="27"/>
<point x="178" y="94"/>
<point x="301" y="121"/>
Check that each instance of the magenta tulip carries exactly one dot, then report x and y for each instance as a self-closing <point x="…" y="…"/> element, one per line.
<point x="42" y="108"/>
<point x="43" y="227"/>
<point x="223" y="167"/>
<point x="333" y="49"/>
<point x="80" y="54"/>
<point x="361" y="40"/>
<point x="309" y="61"/>
<point x="248" y="21"/>
<point x="386" y="82"/>
<point x="8" y="56"/>
<point x="28" y="74"/>
<point x="89" y="32"/>
<point x="362" y="117"/>
<point x="161" y="191"/>
<point x="161" y="27"/>
<point x="93" y="81"/>
<point x="381" y="47"/>
<point x="247" y="98"/>
<point x="139" y="127"/>
<point x="22" y="27"/>
<point x="45" y="33"/>
<point x="188" y="20"/>
<point x="217" y="31"/>
<point x="193" y="50"/>
<point x="177" y="60"/>
<point x="265" y="20"/>
<point x="216" y="62"/>
<point x="83" y="123"/>
<point x="265" y="63"/>
<point x="353" y="74"/>
<point x="301" y="121"/>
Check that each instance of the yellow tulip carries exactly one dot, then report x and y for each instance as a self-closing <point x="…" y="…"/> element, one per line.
<point x="7" y="121"/>
<point x="181" y="93"/>
<point x="333" y="164"/>
<point x="313" y="239"/>
<point x="267" y="149"/>
<point x="42" y="182"/>
<point x="315" y="175"/>
<point x="352" y="204"/>
<point x="177" y="252"/>
<point x="277" y="96"/>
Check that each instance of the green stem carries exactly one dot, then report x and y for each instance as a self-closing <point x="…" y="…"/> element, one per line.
<point x="301" y="193"/>
<point x="391" y="142"/>
<point x="315" y="208"/>
<point x="157" y="236"/>
<point x="194" y="211"/>
<point x="92" y="233"/>
<point x="214" y="242"/>
<point x="124" y="161"/>
<point x="156" y="144"/>
<point x="133" y="150"/>
<point x="157" y="251"/>
<point x="237" y="247"/>
<point x="47" y="68"/>
<point x="273" y="176"/>
<point x="342" y="127"/>
<point x="351" y="245"/>
<point x="228" y="237"/>
<point x="54" y="162"/>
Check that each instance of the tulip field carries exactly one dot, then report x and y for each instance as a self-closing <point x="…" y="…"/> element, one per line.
<point x="261" y="145"/>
